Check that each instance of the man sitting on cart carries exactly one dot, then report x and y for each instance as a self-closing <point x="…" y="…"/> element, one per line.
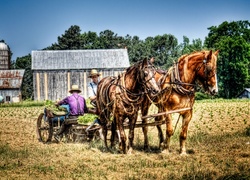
<point x="77" y="106"/>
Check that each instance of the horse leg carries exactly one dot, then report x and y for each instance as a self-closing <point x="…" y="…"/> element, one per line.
<point x="145" y="133"/>
<point x="183" y="135"/>
<point x="105" y="132"/>
<point x="113" y="134"/>
<point x="122" y="144"/>
<point x="160" y="133"/>
<point x="144" y="111"/>
<point x="169" y="133"/>
<point x="132" y="121"/>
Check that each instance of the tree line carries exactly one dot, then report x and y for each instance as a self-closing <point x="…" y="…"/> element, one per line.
<point x="232" y="39"/>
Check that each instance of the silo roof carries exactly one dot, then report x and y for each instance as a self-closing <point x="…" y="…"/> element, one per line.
<point x="3" y="47"/>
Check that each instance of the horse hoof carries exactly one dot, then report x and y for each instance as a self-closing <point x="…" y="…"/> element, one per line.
<point x="147" y="149"/>
<point x="183" y="154"/>
<point x="129" y="152"/>
<point x="162" y="145"/>
<point x="165" y="151"/>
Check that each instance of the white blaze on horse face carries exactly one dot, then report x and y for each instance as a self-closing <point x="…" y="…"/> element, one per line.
<point x="216" y="86"/>
<point x="214" y="89"/>
<point x="155" y="85"/>
<point x="152" y="82"/>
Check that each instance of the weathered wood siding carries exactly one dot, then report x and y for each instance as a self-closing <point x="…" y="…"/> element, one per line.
<point x="54" y="85"/>
<point x="9" y="94"/>
<point x="52" y="81"/>
<point x="10" y="84"/>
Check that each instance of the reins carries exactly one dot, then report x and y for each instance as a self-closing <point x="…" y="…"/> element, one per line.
<point x="127" y="92"/>
<point x="176" y="82"/>
<point x="124" y="96"/>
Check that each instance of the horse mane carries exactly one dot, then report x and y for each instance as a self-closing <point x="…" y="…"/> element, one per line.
<point x="195" y="53"/>
<point x="132" y="67"/>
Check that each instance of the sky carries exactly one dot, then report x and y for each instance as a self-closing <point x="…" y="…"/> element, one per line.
<point x="27" y="25"/>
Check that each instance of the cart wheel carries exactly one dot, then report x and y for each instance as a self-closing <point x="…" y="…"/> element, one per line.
<point x="97" y="135"/>
<point x="78" y="134"/>
<point x="44" y="129"/>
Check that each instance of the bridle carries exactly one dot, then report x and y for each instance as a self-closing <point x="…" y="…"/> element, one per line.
<point x="206" y="72"/>
<point x="143" y="79"/>
<point x="140" y="78"/>
<point x="177" y="84"/>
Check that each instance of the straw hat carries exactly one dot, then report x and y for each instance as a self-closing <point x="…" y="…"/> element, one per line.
<point x="93" y="72"/>
<point x="75" y="88"/>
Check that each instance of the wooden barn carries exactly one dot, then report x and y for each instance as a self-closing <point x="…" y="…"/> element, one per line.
<point x="54" y="72"/>
<point x="10" y="85"/>
<point x="245" y="93"/>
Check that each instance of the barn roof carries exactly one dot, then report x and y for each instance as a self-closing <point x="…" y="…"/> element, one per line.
<point x="80" y="59"/>
<point x="11" y="79"/>
<point x="245" y="89"/>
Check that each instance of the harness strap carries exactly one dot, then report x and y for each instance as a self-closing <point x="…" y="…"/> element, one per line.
<point x="92" y="88"/>
<point x="177" y="83"/>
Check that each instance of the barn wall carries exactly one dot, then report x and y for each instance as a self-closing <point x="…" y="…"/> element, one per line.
<point x="10" y="84"/>
<point x="53" y="85"/>
<point x="11" y="93"/>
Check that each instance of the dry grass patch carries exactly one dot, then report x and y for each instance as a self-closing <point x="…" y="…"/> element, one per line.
<point x="218" y="148"/>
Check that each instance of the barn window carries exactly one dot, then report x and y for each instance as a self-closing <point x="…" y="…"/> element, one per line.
<point x="7" y="98"/>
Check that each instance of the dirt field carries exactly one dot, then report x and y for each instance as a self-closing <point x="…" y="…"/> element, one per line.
<point x="218" y="147"/>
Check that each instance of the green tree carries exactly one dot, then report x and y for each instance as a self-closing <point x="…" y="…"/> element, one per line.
<point x="27" y="85"/>
<point x="164" y="48"/>
<point x="89" y="40"/>
<point x="108" y="40"/>
<point x="135" y="48"/>
<point x="188" y="48"/>
<point x="70" y="40"/>
<point x="233" y="41"/>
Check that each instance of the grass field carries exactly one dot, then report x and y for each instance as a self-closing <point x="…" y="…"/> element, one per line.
<point x="218" y="147"/>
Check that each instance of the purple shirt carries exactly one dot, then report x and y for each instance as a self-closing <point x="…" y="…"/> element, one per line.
<point x="77" y="104"/>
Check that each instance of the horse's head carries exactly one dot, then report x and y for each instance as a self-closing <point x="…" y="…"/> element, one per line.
<point x="207" y="72"/>
<point x="147" y="77"/>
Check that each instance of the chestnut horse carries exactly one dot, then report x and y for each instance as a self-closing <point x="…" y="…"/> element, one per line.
<point x="178" y="91"/>
<point x="121" y="98"/>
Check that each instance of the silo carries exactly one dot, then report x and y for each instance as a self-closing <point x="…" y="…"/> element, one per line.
<point x="4" y="57"/>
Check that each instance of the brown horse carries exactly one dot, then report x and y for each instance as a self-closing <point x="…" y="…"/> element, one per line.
<point x="121" y="98"/>
<point x="178" y="91"/>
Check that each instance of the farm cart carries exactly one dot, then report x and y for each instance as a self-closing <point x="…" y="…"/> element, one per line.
<point x="49" y="123"/>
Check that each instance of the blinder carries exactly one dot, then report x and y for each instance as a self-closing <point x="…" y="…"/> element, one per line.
<point x="144" y="73"/>
<point x="207" y="70"/>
